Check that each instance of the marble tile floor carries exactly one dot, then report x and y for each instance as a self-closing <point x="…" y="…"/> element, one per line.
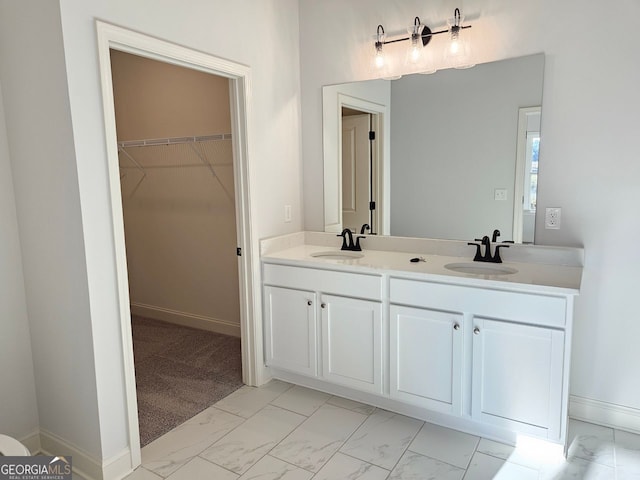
<point x="285" y="432"/>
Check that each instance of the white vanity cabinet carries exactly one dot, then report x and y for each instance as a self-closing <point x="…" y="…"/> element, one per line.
<point x="486" y="354"/>
<point x="425" y="357"/>
<point x="352" y="342"/>
<point x="345" y="346"/>
<point x="518" y="376"/>
<point x="290" y="329"/>
<point x="514" y="350"/>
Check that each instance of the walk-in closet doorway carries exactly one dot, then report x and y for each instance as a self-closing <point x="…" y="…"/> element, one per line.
<point x="178" y="202"/>
<point x="138" y="180"/>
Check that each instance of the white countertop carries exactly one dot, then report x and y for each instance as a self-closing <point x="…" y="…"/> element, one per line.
<point x="530" y="277"/>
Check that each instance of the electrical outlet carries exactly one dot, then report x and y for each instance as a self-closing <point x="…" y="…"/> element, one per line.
<point x="500" y="194"/>
<point x="287" y="213"/>
<point x="552" y="218"/>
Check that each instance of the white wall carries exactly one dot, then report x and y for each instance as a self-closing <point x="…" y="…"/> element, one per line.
<point x="453" y="142"/>
<point x="48" y="211"/>
<point x="589" y="127"/>
<point x="57" y="146"/>
<point x="18" y="408"/>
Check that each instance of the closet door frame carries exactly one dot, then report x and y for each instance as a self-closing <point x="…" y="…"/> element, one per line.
<point x="118" y="38"/>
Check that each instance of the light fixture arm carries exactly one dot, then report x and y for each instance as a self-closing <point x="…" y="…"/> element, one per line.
<point x="380" y="37"/>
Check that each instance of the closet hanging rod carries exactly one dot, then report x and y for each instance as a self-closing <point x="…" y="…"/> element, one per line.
<point x="173" y="140"/>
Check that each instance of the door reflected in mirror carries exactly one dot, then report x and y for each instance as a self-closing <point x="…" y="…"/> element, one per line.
<point x="455" y="154"/>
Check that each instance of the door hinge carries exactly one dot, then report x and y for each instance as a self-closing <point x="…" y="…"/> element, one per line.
<point x="239" y="251"/>
<point x="372" y="135"/>
<point x="372" y="205"/>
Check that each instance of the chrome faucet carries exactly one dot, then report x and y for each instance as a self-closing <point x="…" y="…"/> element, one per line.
<point x="347" y="241"/>
<point x="486" y="243"/>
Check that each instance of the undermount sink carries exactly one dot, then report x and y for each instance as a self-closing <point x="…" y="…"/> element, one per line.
<point x="476" y="268"/>
<point x="337" y="255"/>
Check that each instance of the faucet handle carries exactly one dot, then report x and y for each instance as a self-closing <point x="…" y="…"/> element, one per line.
<point x="478" y="257"/>
<point x="344" y="239"/>
<point x="496" y="255"/>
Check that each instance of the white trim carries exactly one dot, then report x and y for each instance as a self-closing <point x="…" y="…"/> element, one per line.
<point x="332" y="153"/>
<point x="382" y="181"/>
<point x="119" y="466"/>
<point x="187" y="319"/>
<point x="84" y="464"/>
<point x="32" y="442"/>
<point x="381" y="169"/>
<point x="111" y="36"/>
<point x="603" y="413"/>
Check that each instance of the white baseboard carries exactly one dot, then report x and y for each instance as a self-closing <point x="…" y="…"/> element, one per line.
<point x="603" y="413"/>
<point x="187" y="319"/>
<point x="84" y="464"/>
<point x="118" y="466"/>
<point x="32" y="442"/>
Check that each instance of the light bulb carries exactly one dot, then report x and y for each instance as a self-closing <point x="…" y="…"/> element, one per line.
<point x="379" y="60"/>
<point x="454" y="46"/>
<point x="415" y="53"/>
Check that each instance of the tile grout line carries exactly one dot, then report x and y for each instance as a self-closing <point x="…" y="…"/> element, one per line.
<point x="332" y="455"/>
<point x="408" y="445"/>
<point x="244" y="421"/>
<point x="365" y="461"/>
<point x="214" y="463"/>
<point x="270" y="404"/>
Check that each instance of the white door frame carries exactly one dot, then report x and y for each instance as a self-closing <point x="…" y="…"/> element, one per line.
<point x="380" y="172"/>
<point x="114" y="37"/>
<point x="521" y="155"/>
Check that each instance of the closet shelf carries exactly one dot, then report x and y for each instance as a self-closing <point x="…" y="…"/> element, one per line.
<point x="196" y="145"/>
<point x="178" y="165"/>
<point x="173" y="140"/>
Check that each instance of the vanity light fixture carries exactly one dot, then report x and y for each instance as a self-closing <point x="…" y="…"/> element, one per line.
<point x="457" y="53"/>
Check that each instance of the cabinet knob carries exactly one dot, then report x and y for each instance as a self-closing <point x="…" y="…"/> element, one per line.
<point x="309" y="302"/>
<point x="456" y="326"/>
<point x="323" y="305"/>
<point x="476" y="331"/>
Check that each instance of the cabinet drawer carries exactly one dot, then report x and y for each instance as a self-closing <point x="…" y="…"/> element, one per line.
<point x="516" y="306"/>
<point x="340" y="283"/>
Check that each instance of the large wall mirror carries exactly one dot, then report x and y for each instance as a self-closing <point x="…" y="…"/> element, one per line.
<point x="454" y="155"/>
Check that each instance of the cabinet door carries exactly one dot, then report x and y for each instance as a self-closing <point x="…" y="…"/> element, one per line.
<point x="290" y="330"/>
<point x="517" y="376"/>
<point x="352" y="342"/>
<point x="425" y="358"/>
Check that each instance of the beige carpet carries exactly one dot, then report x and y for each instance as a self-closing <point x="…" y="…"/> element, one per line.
<point x="180" y="371"/>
